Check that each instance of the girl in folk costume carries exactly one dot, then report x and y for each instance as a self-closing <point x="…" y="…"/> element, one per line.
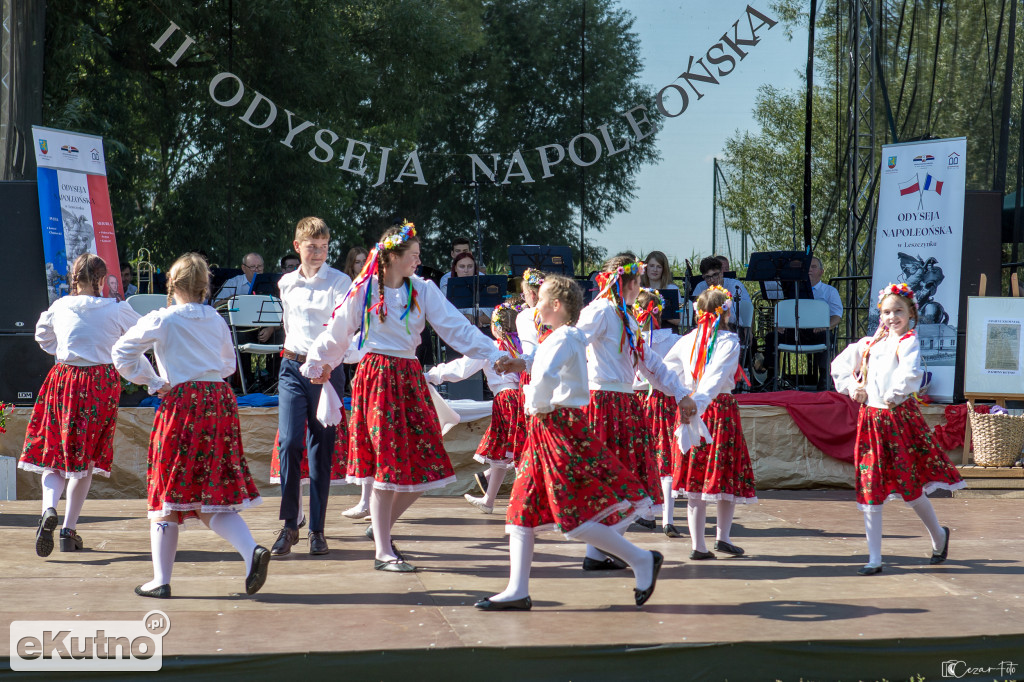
<point x="719" y="471"/>
<point x="503" y="443"/>
<point x="196" y="467"/>
<point x="394" y="435"/>
<point x="567" y="479"/>
<point x="659" y="408"/>
<point x="527" y="320"/>
<point x="895" y="456"/>
<point x="70" y="435"/>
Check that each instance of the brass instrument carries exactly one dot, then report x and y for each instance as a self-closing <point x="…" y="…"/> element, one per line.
<point x="143" y="264"/>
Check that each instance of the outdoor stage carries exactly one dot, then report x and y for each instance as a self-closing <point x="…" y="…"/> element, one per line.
<point x="793" y="609"/>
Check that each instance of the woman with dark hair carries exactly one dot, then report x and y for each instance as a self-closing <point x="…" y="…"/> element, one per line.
<point x="464" y="265"/>
<point x="354" y="261"/>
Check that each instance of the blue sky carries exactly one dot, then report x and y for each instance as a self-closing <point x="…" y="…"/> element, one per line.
<point x="672" y="210"/>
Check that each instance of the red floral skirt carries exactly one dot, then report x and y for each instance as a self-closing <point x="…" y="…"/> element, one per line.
<point x="895" y="457"/>
<point x="662" y="418"/>
<point x="196" y="462"/>
<point x="394" y="435"/>
<point x="339" y="460"/>
<point x="620" y="422"/>
<point x="719" y="470"/>
<point x="502" y="445"/>
<point x="568" y="478"/>
<point x="71" y="430"/>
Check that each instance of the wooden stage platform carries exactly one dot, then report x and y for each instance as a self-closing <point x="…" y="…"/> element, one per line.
<point x="793" y="609"/>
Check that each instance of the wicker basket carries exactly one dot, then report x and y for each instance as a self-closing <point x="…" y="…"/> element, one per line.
<point x="998" y="438"/>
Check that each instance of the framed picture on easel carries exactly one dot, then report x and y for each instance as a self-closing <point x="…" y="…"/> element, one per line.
<point x="994" y="357"/>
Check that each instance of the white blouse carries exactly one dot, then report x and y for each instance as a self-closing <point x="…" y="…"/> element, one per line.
<point x="894" y="369"/>
<point x="391" y="336"/>
<point x="191" y="342"/>
<point x="308" y="304"/>
<point x="80" y="330"/>
<point x="526" y="327"/>
<point x="559" y="376"/>
<point x="463" y="368"/>
<point x="661" y="341"/>
<point x="611" y="369"/>
<point x="719" y="374"/>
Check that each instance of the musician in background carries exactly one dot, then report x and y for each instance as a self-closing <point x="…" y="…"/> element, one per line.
<point x="241" y="285"/>
<point x="711" y="270"/>
<point x="126" y="279"/>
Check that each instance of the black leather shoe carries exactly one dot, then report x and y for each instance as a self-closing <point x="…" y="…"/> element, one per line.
<point x="285" y="539"/>
<point x="302" y="523"/>
<point x="44" y="534"/>
<point x="158" y="592"/>
<point x="481" y="482"/>
<point x="939" y="557"/>
<point x="728" y="548"/>
<point x="257" y="570"/>
<point x="641" y="596"/>
<point x="524" y="604"/>
<point x="672" y="531"/>
<point x="393" y="566"/>
<point x="369" y="532"/>
<point x="70" y="541"/>
<point x="649" y="524"/>
<point x="317" y="543"/>
<point x="869" y="570"/>
<point x="701" y="556"/>
<point x="606" y="564"/>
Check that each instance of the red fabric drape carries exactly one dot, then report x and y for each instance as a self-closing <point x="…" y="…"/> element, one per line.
<point x="827" y="419"/>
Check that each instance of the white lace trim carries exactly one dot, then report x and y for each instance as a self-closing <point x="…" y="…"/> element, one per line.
<point x="496" y="463"/>
<point x="511" y="529"/>
<point x="276" y="480"/>
<point x="82" y="302"/>
<point x="927" y="489"/>
<point x="415" y="488"/>
<point x="714" y="497"/>
<point x="34" y="468"/>
<point x="192" y="311"/>
<point x="173" y="507"/>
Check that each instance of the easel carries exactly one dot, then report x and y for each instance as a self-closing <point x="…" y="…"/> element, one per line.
<point x="999" y="398"/>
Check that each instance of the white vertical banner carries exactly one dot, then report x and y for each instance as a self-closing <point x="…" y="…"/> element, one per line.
<point x="919" y="241"/>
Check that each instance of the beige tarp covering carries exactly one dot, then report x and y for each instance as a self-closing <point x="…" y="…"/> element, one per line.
<point x="781" y="456"/>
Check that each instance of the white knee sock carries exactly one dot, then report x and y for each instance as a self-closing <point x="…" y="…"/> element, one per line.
<point x="594" y="553"/>
<point x="364" y="498"/>
<point x="402" y="502"/>
<point x="873" y="529"/>
<point x="726" y="509"/>
<point x="495" y="477"/>
<point x="610" y="542"/>
<point x="696" y="515"/>
<point x="668" y="506"/>
<point x="234" y="529"/>
<point x="78" y="490"/>
<point x="163" y="542"/>
<point x="380" y="519"/>
<point x="520" y="555"/>
<point x="53" y="487"/>
<point x="926" y="512"/>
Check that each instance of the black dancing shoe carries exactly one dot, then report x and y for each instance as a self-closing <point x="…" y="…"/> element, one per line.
<point x="649" y="524"/>
<point x="285" y="540"/>
<point x="869" y="570"/>
<point x="257" y="570"/>
<point x="393" y="566"/>
<point x="524" y="604"/>
<point x="158" y="592"/>
<point x="70" y="541"/>
<point x="606" y="564"/>
<point x="723" y="546"/>
<point x="317" y="543"/>
<point x="641" y="596"/>
<point x="672" y="531"/>
<point x="481" y="482"/>
<point x="369" y="532"/>
<point x="701" y="556"/>
<point x="44" y="534"/>
<point x="939" y="557"/>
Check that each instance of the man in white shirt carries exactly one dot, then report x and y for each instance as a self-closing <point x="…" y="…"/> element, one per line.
<point x="241" y="285"/>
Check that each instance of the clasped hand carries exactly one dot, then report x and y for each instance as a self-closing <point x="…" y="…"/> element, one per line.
<point x="687" y="408"/>
<point x="507" y="364"/>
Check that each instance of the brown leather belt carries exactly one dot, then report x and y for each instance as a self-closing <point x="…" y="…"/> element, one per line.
<point x="291" y="355"/>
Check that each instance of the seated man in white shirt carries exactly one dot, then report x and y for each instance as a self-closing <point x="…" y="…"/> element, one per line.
<point x="241" y="285"/>
<point x="459" y="245"/>
<point x="711" y="270"/>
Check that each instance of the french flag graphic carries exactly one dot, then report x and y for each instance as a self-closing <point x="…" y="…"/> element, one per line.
<point x="910" y="187"/>
<point x="932" y="184"/>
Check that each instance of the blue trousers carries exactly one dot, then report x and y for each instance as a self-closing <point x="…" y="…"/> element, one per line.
<point x="297" y="426"/>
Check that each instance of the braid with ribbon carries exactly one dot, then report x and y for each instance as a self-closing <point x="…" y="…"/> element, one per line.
<point x="648" y="307"/>
<point x="609" y="285"/>
<point x="708" y="323"/>
<point x="503" y="320"/>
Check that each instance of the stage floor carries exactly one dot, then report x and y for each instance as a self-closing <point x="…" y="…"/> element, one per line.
<point x="795" y="603"/>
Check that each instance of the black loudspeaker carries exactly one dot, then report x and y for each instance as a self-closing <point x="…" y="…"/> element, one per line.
<point x="22" y="265"/>
<point x="982" y="253"/>
<point x="25" y="365"/>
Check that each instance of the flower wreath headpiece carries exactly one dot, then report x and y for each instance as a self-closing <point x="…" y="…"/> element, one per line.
<point x="508" y="340"/>
<point x="533" y="277"/>
<point x="652" y="311"/>
<point x="900" y="289"/>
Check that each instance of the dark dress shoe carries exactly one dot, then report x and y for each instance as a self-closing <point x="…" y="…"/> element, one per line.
<point x="302" y="523"/>
<point x="481" y="482"/>
<point x="606" y="564"/>
<point x="257" y="570"/>
<point x="939" y="557"/>
<point x="642" y="596"/>
<point x="70" y="541"/>
<point x="701" y="556"/>
<point x="728" y="548"/>
<point x="369" y="532"/>
<point x="649" y="524"/>
<point x="393" y="566"/>
<point x="869" y="570"/>
<point x="524" y="604"/>
<point x="44" y="534"/>
<point x="317" y="543"/>
<point x="285" y="539"/>
<point x="158" y="592"/>
<point x="672" y="531"/>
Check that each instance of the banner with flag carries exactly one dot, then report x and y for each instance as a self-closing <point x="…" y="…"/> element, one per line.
<point x="74" y="206"/>
<point x="919" y="240"/>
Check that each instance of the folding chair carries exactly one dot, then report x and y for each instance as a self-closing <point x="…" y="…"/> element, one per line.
<point x="813" y="315"/>
<point x="147" y="303"/>
<point x="248" y="312"/>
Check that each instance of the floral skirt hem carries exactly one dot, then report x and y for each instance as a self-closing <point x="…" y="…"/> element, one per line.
<point x="36" y="469"/>
<point x="188" y="513"/>
<point x="714" y="497"/>
<point x="401" y="488"/>
<point x="506" y="463"/>
<point x="929" y="488"/>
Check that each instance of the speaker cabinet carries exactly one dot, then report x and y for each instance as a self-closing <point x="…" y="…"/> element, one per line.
<point x="22" y="266"/>
<point x="24" y="365"/>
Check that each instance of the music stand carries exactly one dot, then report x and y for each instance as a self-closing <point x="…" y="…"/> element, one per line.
<point x="265" y="284"/>
<point x="589" y="288"/>
<point x="671" y="309"/>
<point x="489" y="292"/>
<point x="220" y="275"/>
<point x="789" y="271"/>
<point x="554" y="259"/>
